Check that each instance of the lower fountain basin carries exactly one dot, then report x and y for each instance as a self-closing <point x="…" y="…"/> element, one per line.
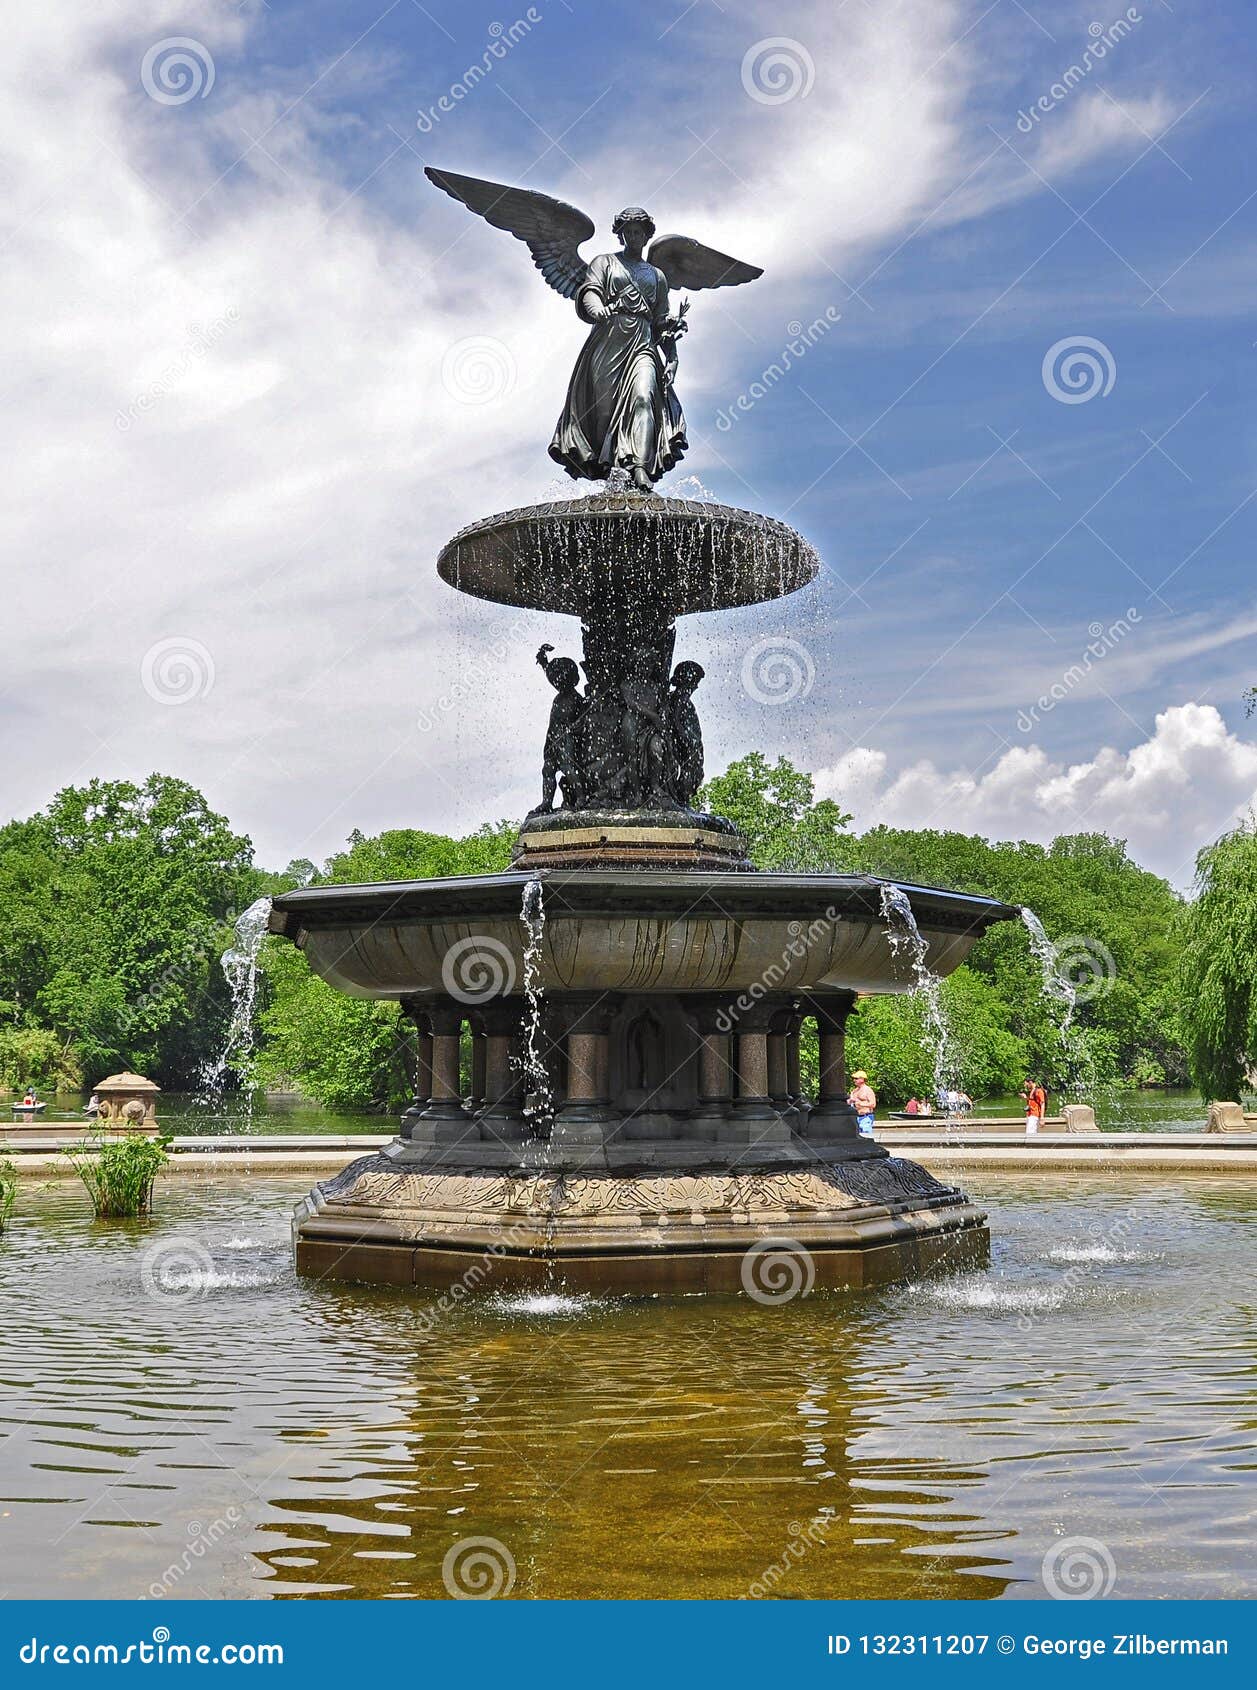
<point x="635" y="1121"/>
<point x="626" y="932"/>
<point x="575" y="556"/>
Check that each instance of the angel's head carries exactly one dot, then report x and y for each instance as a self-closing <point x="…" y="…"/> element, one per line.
<point x="633" y="226"/>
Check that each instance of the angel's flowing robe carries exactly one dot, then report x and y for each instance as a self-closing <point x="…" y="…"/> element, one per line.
<point x="621" y="411"/>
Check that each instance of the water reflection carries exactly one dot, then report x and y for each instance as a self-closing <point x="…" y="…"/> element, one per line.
<point x="243" y="1432"/>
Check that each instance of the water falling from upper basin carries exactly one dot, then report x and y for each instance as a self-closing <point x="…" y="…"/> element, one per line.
<point x="240" y="964"/>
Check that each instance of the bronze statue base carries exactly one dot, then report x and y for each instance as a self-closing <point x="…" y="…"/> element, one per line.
<point x="604" y="839"/>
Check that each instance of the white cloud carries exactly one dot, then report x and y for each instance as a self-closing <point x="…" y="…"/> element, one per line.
<point x="1167" y="796"/>
<point x="225" y="414"/>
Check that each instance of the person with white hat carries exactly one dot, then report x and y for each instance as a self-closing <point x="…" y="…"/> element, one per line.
<point x="863" y="1099"/>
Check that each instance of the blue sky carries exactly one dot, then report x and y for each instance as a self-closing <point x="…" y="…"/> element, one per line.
<point x="239" y="425"/>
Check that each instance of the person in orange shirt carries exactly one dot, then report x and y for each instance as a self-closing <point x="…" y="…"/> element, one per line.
<point x="1036" y="1104"/>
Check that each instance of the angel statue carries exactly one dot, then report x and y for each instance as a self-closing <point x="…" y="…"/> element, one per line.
<point x="622" y="411"/>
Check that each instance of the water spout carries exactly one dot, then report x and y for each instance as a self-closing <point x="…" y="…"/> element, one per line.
<point x="240" y="965"/>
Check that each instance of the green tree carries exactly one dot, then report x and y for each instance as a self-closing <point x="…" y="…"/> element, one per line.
<point x="118" y="903"/>
<point x="1117" y="924"/>
<point x="889" y="1039"/>
<point x="345" y="1052"/>
<point x="774" y="807"/>
<point x="1219" y="965"/>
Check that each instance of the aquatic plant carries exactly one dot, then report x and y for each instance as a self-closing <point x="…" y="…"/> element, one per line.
<point x="8" y="1191"/>
<point x="119" y="1172"/>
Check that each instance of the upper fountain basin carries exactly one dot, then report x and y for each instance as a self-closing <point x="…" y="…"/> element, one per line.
<point x="626" y="932"/>
<point x="574" y="555"/>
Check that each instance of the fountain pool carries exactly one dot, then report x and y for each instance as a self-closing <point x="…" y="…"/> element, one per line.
<point x="954" y="1437"/>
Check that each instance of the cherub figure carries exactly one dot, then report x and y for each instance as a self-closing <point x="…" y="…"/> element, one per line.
<point x="687" y="733"/>
<point x="560" y="766"/>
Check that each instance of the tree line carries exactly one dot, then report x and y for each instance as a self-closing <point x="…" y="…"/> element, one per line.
<point x="118" y="899"/>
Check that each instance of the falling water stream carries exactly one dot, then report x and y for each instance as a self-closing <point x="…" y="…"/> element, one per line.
<point x="537" y="1079"/>
<point x="1061" y="997"/>
<point x="240" y="965"/>
<point x="1059" y="992"/>
<point x="907" y="939"/>
<point x="1058" y="988"/>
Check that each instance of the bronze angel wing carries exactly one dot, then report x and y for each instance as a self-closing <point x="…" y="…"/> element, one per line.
<point x="688" y="263"/>
<point x="551" y="230"/>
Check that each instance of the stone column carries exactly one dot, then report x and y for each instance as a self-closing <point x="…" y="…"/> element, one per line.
<point x="502" y="1113"/>
<point x="783" y="1063"/>
<point x="476" y="1094"/>
<point x="584" y="1119"/>
<point x="416" y="1012"/>
<point x="444" y="1121"/>
<point x="713" y="1021"/>
<point x="778" y="1077"/>
<point x="833" y="1117"/>
<point x="754" y="1119"/>
<point x="794" y="1083"/>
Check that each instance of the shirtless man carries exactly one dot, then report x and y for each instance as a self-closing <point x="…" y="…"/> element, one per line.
<point x="863" y="1099"/>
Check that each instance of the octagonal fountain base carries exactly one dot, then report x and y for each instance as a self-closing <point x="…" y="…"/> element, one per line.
<point x="772" y="1232"/>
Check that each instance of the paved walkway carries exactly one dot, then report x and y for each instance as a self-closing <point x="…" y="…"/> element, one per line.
<point x="939" y="1148"/>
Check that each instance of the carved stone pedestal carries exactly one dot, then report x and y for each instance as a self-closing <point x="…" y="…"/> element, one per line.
<point x="853" y="1223"/>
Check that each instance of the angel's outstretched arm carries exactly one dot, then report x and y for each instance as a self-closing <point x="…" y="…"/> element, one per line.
<point x="592" y="305"/>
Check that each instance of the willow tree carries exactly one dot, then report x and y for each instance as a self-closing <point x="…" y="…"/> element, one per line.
<point x="1219" y="965"/>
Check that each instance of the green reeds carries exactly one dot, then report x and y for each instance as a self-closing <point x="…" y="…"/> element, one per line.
<point x="119" y="1172"/>
<point x="8" y="1191"/>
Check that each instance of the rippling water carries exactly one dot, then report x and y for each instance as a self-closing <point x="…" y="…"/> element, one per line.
<point x="183" y="1417"/>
